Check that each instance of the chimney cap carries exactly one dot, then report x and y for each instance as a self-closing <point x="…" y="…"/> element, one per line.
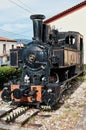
<point x="37" y="16"/>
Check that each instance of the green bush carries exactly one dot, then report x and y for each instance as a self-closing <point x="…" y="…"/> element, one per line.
<point x="6" y="73"/>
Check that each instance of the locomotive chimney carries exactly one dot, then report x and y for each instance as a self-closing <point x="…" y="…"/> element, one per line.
<point x="37" y="26"/>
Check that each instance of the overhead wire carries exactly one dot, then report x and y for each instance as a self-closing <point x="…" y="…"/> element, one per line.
<point x="17" y="34"/>
<point x="26" y="6"/>
<point x="21" y="6"/>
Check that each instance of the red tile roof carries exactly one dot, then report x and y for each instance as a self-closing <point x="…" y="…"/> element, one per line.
<point x="66" y="12"/>
<point x="6" y="39"/>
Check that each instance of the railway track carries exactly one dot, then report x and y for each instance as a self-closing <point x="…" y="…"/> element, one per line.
<point x="14" y="117"/>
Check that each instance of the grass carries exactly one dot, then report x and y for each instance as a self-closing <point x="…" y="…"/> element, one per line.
<point x="82" y="79"/>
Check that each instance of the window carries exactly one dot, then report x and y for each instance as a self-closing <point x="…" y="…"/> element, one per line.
<point x="12" y="46"/>
<point x="67" y="40"/>
<point x="70" y="40"/>
<point x="4" y="48"/>
<point x="81" y="44"/>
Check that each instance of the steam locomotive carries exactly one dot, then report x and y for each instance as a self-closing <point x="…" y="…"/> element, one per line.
<point x="50" y="59"/>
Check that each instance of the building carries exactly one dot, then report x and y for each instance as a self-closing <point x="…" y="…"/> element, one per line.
<point x="72" y="19"/>
<point x="5" y="46"/>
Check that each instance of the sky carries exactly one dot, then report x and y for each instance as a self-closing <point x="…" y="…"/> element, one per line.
<point x="15" y="22"/>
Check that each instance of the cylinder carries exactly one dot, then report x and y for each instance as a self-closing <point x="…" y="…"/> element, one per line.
<point x="37" y="26"/>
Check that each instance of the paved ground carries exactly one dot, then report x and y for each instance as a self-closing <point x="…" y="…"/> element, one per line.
<point x="81" y="125"/>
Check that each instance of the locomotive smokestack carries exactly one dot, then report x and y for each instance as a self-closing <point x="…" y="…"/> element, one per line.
<point x="37" y="26"/>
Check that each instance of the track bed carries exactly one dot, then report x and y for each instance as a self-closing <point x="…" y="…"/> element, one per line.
<point x="14" y="117"/>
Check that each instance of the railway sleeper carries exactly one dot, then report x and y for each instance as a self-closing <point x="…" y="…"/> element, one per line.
<point x="10" y="117"/>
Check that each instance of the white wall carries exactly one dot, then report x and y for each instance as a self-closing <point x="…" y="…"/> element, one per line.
<point x="8" y="46"/>
<point x="3" y="57"/>
<point x="75" y="21"/>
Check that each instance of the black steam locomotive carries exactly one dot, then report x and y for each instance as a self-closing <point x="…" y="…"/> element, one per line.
<point x="50" y="59"/>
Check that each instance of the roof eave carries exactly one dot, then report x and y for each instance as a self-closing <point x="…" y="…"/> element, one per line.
<point x="66" y="12"/>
